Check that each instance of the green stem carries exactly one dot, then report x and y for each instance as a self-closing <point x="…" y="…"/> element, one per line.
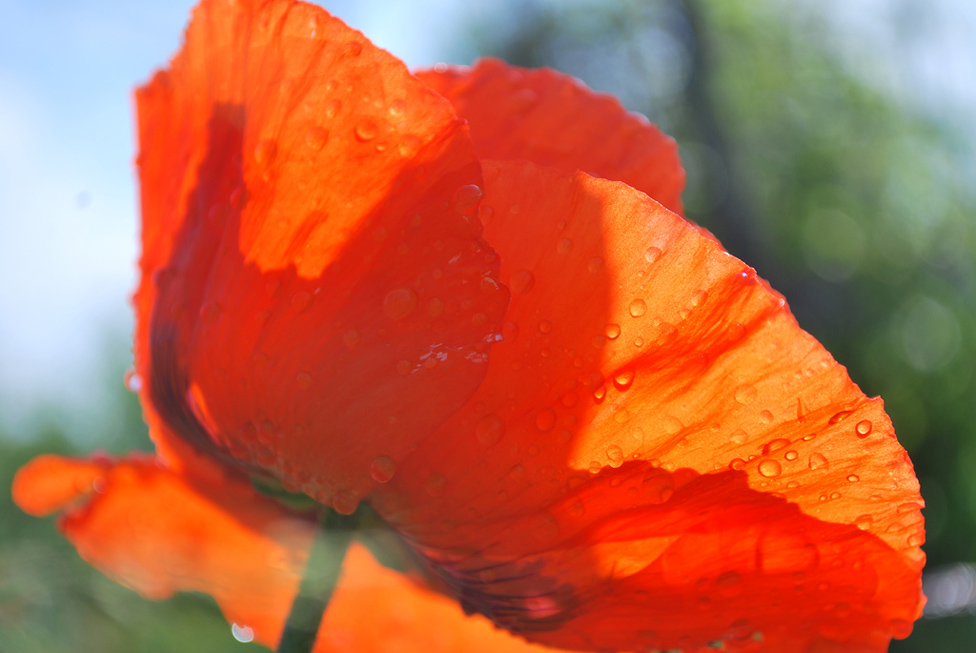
<point x="321" y="574"/>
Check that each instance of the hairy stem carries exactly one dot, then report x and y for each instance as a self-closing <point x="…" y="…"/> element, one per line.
<point x="318" y="583"/>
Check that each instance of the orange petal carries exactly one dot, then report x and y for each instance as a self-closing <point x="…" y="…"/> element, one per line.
<point x="158" y="533"/>
<point x="552" y="119"/>
<point x="653" y="422"/>
<point x="375" y="610"/>
<point x="312" y="270"/>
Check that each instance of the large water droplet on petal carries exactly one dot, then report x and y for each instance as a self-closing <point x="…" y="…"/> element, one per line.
<point x="770" y="468"/>
<point x="366" y="131"/>
<point x="344" y="502"/>
<point x="316" y="138"/>
<point x="745" y="394"/>
<point x="242" y="633"/>
<point x="399" y="303"/>
<point x="382" y="469"/>
<point x="132" y="380"/>
<point x="489" y="430"/>
<point x="467" y="197"/>
<point x="775" y="445"/>
<point x="522" y="282"/>
<point x="623" y="379"/>
<point x="301" y="301"/>
<point x="265" y="152"/>
<point x="546" y="419"/>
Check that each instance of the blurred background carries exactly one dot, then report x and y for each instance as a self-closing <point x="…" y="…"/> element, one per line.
<point x="830" y="144"/>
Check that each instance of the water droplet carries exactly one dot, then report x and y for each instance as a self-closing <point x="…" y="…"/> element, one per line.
<point x="409" y="145"/>
<point x="516" y="473"/>
<point x="435" y="485"/>
<point x="352" y="49"/>
<point x="467" y="197"/>
<point x="775" y="445"/>
<point x="301" y="301"/>
<point x="638" y="308"/>
<point x="209" y="312"/>
<point x="863" y="428"/>
<point x="397" y="108"/>
<point x="265" y="152"/>
<point x="864" y="522"/>
<point x="242" y="633"/>
<point x="479" y="319"/>
<point x="132" y="380"/>
<point x="304" y="380"/>
<point x="238" y="198"/>
<point x="835" y="495"/>
<point x="219" y="212"/>
<point x="817" y="460"/>
<point x="316" y="138"/>
<point x="699" y="298"/>
<point x="344" y="502"/>
<point x="382" y="469"/>
<point x="545" y="326"/>
<point x="615" y="455"/>
<point x="565" y="246"/>
<point x="404" y="367"/>
<point x="853" y="478"/>
<point x="595" y="264"/>
<point x="545" y="528"/>
<point x="839" y="417"/>
<point x="766" y="417"/>
<point x="791" y="455"/>
<point x="651" y="254"/>
<point x="399" y="303"/>
<point x="522" y="282"/>
<point x="638" y="342"/>
<point x="545" y="420"/>
<point x="600" y="392"/>
<point x="770" y="468"/>
<point x="366" y="131"/>
<point x="745" y="394"/>
<point x="737" y="463"/>
<point x="489" y="429"/>
<point x="613" y="331"/>
<point x="623" y="379"/>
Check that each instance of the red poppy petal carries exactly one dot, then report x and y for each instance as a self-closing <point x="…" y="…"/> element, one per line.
<point x="403" y="616"/>
<point x="312" y="272"/>
<point x="643" y="383"/>
<point x="158" y="533"/>
<point x="553" y="119"/>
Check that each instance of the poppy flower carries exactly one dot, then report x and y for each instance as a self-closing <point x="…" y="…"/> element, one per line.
<point x="468" y="299"/>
